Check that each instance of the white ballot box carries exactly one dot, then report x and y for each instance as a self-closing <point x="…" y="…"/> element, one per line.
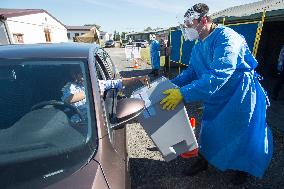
<point x="169" y="130"/>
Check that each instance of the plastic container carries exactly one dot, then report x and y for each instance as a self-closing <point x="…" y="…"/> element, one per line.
<point x="170" y="131"/>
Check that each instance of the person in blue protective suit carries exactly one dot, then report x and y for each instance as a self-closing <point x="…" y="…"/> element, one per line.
<point x="155" y="56"/>
<point x="234" y="134"/>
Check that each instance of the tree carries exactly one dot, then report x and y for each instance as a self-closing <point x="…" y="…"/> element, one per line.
<point x="117" y="37"/>
<point x="123" y="35"/>
<point x="114" y="35"/>
<point x="94" y="25"/>
<point x="158" y="28"/>
<point x="148" y="29"/>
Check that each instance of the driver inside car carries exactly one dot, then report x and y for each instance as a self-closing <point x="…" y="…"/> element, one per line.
<point x="74" y="91"/>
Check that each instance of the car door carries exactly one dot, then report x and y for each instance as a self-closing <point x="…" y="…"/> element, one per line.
<point x="107" y="70"/>
<point x="117" y="137"/>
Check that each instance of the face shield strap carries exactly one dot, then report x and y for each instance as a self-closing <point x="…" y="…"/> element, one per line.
<point x="191" y="14"/>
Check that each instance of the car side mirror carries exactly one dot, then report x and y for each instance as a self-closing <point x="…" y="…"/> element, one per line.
<point x="127" y="109"/>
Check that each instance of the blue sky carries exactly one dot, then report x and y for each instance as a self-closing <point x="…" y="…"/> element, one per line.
<point x="120" y="15"/>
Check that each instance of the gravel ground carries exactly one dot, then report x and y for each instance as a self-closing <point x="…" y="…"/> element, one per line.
<point x="149" y="170"/>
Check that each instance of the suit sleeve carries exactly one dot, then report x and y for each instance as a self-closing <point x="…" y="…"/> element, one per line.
<point x="185" y="77"/>
<point x="225" y="59"/>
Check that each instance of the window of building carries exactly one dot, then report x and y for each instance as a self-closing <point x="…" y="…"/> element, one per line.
<point x="76" y="34"/>
<point x="18" y="37"/>
<point x="47" y="35"/>
<point x="82" y="33"/>
<point x="68" y="35"/>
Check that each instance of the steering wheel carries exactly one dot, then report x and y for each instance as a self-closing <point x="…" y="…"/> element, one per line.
<point x="65" y="106"/>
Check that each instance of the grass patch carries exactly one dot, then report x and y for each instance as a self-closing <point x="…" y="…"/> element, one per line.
<point x="145" y="55"/>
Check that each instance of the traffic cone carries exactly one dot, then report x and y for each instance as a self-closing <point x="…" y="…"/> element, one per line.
<point x="192" y="122"/>
<point x="136" y="64"/>
<point x="192" y="153"/>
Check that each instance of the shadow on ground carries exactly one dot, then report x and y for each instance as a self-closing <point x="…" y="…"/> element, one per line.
<point x="152" y="174"/>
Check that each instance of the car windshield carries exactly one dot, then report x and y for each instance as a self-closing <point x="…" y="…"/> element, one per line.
<point x="37" y="116"/>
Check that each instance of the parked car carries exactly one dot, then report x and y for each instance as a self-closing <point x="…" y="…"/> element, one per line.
<point x="141" y="43"/>
<point x="109" y="43"/>
<point x="40" y="146"/>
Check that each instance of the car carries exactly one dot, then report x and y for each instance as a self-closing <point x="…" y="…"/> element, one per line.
<point x="141" y="43"/>
<point x="40" y="145"/>
<point x="109" y="43"/>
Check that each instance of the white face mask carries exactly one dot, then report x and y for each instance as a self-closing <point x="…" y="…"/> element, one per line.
<point x="190" y="34"/>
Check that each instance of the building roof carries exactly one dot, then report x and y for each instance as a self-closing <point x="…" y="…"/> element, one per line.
<point x="147" y="32"/>
<point x="55" y="50"/>
<point x="9" y="13"/>
<point x="250" y="9"/>
<point x="103" y="33"/>
<point x="86" y="28"/>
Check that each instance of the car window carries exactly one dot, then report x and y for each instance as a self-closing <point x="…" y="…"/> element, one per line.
<point x="37" y="120"/>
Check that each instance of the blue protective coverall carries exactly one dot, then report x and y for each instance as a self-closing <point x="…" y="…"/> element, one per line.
<point x="155" y="55"/>
<point x="234" y="134"/>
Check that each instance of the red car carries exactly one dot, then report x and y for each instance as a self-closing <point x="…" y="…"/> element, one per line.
<point x="40" y="145"/>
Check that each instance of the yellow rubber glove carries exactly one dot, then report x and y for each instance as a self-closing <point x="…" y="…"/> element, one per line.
<point x="172" y="100"/>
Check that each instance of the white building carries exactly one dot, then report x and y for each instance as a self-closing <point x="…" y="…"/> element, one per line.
<point x="110" y="37"/>
<point x="73" y="31"/>
<point x="30" y="26"/>
<point x="104" y="36"/>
